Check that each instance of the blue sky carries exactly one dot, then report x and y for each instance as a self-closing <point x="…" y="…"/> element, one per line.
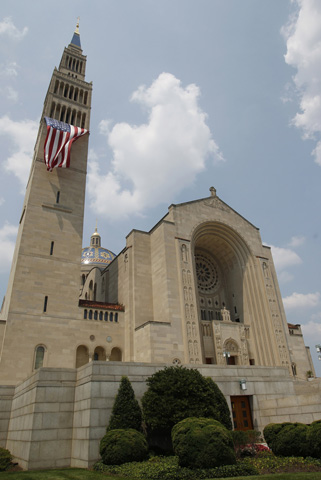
<point x="186" y="94"/>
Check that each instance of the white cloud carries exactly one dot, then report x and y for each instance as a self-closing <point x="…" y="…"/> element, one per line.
<point x="8" y="235"/>
<point x="1" y="201"/>
<point x="303" y="36"/>
<point x="285" y="277"/>
<point x="7" y="27"/>
<point x="10" y="93"/>
<point x="9" y="70"/>
<point x="312" y="329"/>
<point x="284" y="257"/>
<point x="23" y="135"/>
<point x="297" y="241"/>
<point x="154" y="161"/>
<point x="301" y="300"/>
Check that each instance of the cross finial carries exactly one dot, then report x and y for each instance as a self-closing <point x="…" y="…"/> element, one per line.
<point x="213" y="191"/>
<point x="77" y="26"/>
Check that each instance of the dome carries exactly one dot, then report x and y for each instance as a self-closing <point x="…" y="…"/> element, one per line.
<point x="96" y="255"/>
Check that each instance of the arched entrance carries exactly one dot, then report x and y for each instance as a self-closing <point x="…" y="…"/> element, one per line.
<point x="220" y="259"/>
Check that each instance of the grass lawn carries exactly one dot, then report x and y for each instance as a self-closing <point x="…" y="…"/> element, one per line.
<point x="81" y="474"/>
<point x="64" y="474"/>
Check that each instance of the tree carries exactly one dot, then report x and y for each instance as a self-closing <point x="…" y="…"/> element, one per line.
<point x="126" y="412"/>
<point x="219" y="400"/>
<point x="176" y="393"/>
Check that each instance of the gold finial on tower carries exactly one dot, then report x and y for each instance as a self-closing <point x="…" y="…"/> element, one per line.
<point x="77" y="26"/>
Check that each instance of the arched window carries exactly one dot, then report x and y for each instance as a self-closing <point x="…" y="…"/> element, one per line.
<point x="100" y="354"/>
<point x="96" y="315"/>
<point x="100" y="315"/>
<point x="85" y="314"/>
<point x="82" y="356"/>
<point x="90" y="314"/>
<point x="116" y="317"/>
<point x="111" y="317"/>
<point x="106" y="316"/>
<point x="39" y="357"/>
<point x="116" y="355"/>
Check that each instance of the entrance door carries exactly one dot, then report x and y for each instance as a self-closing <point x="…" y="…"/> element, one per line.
<point x="241" y="412"/>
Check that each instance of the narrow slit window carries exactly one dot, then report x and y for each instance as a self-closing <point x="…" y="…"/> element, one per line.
<point x="45" y="304"/>
<point x="52" y="248"/>
<point x="58" y="197"/>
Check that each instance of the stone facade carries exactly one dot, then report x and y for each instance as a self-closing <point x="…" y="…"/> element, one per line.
<point x="199" y="290"/>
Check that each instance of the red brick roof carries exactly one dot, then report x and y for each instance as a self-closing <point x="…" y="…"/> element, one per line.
<point x="101" y="305"/>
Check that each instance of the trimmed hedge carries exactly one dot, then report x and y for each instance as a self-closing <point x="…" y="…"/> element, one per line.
<point x="167" y="468"/>
<point x="120" y="446"/>
<point x="202" y="443"/>
<point x="288" y="439"/>
<point x="271" y="430"/>
<point x="314" y="439"/>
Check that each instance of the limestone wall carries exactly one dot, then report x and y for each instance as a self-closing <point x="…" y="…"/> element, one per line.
<point x="58" y="416"/>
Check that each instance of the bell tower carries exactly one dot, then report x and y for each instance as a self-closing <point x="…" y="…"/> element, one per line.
<point x="41" y="303"/>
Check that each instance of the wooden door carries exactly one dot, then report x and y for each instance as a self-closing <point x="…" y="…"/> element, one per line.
<point x="241" y="412"/>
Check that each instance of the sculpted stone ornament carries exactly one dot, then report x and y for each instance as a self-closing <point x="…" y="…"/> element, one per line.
<point x="226" y="316"/>
<point x="215" y="202"/>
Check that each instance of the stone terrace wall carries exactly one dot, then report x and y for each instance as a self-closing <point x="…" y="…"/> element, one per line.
<point x="58" y="416"/>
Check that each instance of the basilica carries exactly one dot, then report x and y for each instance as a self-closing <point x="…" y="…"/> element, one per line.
<point x="199" y="289"/>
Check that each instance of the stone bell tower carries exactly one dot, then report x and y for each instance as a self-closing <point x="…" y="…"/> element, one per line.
<point x="41" y="302"/>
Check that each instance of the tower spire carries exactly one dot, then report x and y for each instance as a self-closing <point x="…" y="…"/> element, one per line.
<point x="75" y="41"/>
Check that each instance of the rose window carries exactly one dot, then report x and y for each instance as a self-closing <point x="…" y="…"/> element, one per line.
<point x="207" y="275"/>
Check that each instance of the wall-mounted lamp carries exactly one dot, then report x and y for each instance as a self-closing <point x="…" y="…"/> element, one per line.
<point x="226" y="355"/>
<point x="243" y="384"/>
<point x="318" y="347"/>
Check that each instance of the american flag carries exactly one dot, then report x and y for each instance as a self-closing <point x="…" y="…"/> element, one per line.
<point x="58" y="142"/>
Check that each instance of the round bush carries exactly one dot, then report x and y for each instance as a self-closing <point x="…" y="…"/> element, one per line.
<point x="202" y="443"/>
<point x="5" y="459"/>
<point x="314" y="439"/>
<point x="292" y="441"/>
<point x="271" y="430"/>
<point x="123" y="445"/>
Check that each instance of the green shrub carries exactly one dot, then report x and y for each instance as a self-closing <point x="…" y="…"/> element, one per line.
<point x="167" y="468"/>
<point x="223" y="414"/>
<point x="175" y="393"/>
<point x="121" y="445"/>
<point x="291" y="440"/>
<point x="5" y="459"/>
<point x="202" y="443"/>
<point x="314" y="439"/>
<point x="271" y="430"/>
<point x="126" y="412"/>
